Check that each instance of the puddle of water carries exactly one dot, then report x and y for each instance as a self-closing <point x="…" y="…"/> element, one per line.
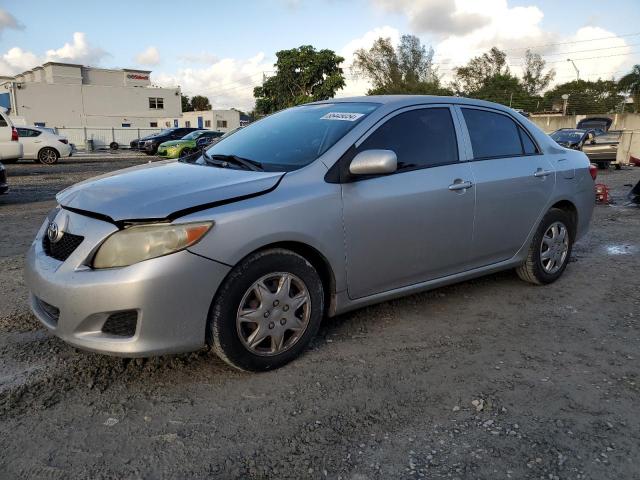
<point x="621" y="249"/>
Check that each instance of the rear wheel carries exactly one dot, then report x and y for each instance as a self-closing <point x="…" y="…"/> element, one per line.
<point x="267" y="311"/>
<point x="550" y="249"/>
<point x="48" y="156"/>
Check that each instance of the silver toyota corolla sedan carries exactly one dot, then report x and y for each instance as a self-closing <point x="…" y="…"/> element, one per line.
<point x="310" y="212"/>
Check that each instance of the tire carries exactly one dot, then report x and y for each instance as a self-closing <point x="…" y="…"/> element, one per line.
<point x="114" y="146"/>
<point x="537" y="270"/>
<point x="230" y="333"/>
<point x="185" y="152"/>
<point x="603" y="165"/>
<point x="618" y="166"/>
<point x="48" y="156"/>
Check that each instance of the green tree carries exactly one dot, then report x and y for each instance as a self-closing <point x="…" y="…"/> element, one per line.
<point x="479" y="71"/>
<point x="200" y="103"/>
<point x="534" y="79"/>
<point x="186" y="104"/>
<point x="586" y="97"/>
<point x="303" y="74"/>
<point x="407" y="69"/>
<point x="631" y="83"/>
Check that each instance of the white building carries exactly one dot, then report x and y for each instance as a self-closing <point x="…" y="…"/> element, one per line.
<point x="218" y="120"/>
<point x="68" y="95"/>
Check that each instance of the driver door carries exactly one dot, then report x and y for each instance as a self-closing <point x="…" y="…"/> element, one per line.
<point x="415" y="224"/>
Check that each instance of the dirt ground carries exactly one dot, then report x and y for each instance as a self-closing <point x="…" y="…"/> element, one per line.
<point x="491" y="378"/>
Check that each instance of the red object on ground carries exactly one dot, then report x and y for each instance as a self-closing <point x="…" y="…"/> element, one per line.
<point x="635" y="161"/>
<point x="593" y="170"/>
<point x="602" y="193"/>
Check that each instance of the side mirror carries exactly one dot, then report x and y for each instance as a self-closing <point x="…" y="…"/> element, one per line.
<point x="374" y="162"/>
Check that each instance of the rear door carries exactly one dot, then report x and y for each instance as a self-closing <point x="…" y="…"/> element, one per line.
<point x="415" y="224"/>
<point x="30" y="141"/>
<point x="514" y="182"/>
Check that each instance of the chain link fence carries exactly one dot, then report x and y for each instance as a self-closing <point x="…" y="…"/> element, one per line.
<point x="94" y="138"/>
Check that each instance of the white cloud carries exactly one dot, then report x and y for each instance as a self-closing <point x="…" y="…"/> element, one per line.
<point x="227" y="82"/>
<point x="16" y="60"/>
<point x="149" y="56"/>
<point x="437" y="16"/>
<point x="8" y="22"/>
<point x="512" y="29"/>
<point x="78" y="51"/>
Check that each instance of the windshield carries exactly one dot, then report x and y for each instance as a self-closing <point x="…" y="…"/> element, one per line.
<point x="293" y="138"/>
<point x="193" y="135"/>
<point x="567" y="135"/>
<point x="166" y="131"/>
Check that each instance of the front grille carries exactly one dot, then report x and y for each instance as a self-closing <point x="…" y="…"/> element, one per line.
<point x="49" y="311"/>
<point x="64" y="247"/>
<point x="122" y="324"/>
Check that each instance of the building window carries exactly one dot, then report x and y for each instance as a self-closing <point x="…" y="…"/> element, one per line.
<point x="207" y="124"/>
<point x="153" y="124"/>
<point x="167" y="124"/>
<point x="156" y="103"/>
<point x="39" y="124"/>
<point x="221" y="124"/>
<point x="126" y="125"/>
<point x="187" y="124"/>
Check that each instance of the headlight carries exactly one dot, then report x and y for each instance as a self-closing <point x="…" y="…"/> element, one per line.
<point x="139" y="243"/>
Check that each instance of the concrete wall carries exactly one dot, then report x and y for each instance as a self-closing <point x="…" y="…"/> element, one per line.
<point x="629" y="123"/>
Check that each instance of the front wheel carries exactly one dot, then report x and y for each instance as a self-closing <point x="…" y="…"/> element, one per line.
<point x="48" y="156"/>
<point x="185" y="152"/>
<point x="267" y="311"/>
<point x="550" y="249"/>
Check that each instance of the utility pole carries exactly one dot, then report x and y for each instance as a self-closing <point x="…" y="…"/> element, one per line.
<point x="576" y="68"/>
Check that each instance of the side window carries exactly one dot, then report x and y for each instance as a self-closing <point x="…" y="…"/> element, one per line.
<point x="22" y="132"/>
<point x="492" y="134"/>
<point x="527" y="144"/>
<point x="420" y="138"/>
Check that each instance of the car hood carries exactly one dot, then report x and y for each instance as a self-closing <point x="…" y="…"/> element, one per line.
<point x="166" y="189"/>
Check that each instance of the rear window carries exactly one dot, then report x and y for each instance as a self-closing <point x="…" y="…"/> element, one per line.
<point x="3" y="122"/>
<point x="495" y="135"/>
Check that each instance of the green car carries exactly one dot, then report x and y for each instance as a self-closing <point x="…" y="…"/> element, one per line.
<point x="186" y="145"/>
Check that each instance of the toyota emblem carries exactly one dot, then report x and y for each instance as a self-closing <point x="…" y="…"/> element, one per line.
<point x="53" y="232"/>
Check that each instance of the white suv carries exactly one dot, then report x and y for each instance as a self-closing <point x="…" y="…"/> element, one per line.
<point x="10" y="147"/>
<point x="43" y="146"/>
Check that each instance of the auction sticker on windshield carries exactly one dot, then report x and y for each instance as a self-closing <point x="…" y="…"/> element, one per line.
<point x="346" y="116"/>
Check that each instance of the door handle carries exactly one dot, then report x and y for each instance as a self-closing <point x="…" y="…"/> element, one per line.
<point x="460" y="186"/>
<point x="542" y="173"/>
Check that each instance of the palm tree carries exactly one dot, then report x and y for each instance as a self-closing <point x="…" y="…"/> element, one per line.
<point x="631" y="83"/>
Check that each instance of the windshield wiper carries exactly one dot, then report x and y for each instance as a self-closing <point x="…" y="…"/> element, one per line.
<point x="223" y="160"/>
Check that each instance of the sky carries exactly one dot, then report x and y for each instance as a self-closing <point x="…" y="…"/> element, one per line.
<point x="223" y="49"/>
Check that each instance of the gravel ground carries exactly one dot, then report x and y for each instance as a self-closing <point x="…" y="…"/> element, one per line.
<point x="491" y="378"/>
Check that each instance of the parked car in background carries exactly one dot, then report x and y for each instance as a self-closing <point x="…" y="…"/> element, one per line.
<point x="309" y="212"/>
<point x="150" y="143"/>
<point x="10" y="147"/>
<point x="186" y="145"/>
<point x="205" y="142"/>
<point x="43" y="146"/>
<point x="599" y="145"/>
<point x="4" y="187"/>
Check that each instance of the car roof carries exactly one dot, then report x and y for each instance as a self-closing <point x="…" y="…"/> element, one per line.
<point x="408" y="100"/>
